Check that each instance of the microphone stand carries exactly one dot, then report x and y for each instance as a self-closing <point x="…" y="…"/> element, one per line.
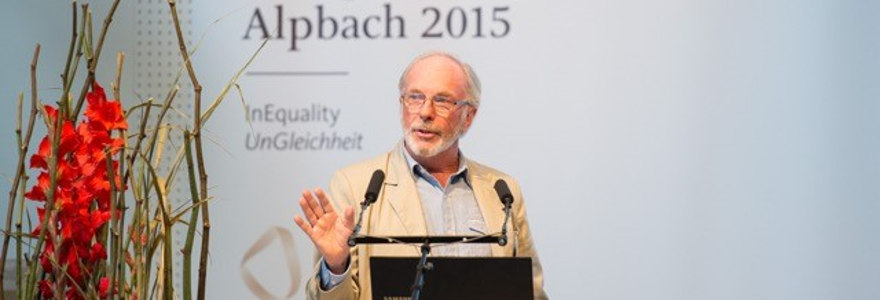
<point x="502" y="240"/>
<point x="370" y="196"/>
<point x="507" y="200"/>
<point x="357" y="227"/>
<point x="423" y="267"/>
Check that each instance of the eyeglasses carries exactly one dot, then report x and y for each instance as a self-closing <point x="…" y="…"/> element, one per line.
<point x="442" y="104"/>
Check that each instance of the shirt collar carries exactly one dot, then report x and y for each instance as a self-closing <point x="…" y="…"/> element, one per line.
<point x="418" y="171"/>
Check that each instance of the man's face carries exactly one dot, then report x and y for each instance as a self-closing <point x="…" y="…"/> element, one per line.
<point x="426" y="132"/>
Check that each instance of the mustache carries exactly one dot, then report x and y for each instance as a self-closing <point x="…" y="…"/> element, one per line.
<point x="424" y="127"/>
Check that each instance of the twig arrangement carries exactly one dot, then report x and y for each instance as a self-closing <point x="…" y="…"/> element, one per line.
<point x="105" y="220"/>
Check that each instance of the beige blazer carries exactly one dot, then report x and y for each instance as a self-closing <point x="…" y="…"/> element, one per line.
<point x="398" y="211"/>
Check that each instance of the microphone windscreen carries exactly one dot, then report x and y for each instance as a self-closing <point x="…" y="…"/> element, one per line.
<point x="375" y="186"/>
<point x="503" y="191"/>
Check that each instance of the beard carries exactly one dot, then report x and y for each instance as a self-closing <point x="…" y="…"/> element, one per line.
<point x="443" y="143"/>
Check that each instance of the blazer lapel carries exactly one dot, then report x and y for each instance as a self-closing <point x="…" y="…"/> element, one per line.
<point x="401" y="194"/>
<point x="490" y="205"/>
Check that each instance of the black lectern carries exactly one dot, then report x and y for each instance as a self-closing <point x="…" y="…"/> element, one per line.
<point x="461" y="278"/>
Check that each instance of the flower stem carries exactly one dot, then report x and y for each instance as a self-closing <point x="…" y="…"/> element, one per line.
<point x="114" y="234"/>
<point x="118" y="257"/>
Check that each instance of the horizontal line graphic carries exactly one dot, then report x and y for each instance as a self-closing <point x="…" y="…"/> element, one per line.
<point x="297" y="73"/>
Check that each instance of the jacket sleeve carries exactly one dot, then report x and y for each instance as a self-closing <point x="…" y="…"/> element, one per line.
<point x="525" y="244"/>
<point x="340" y="195"/>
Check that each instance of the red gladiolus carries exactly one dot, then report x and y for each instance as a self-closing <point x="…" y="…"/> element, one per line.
<point x="46" y="288"/>
<point x="103" y="286"/>
<point x="107" y="114"/>
<point x="81" y="193"/>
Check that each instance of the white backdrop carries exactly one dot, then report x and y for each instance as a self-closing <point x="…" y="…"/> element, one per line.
<point x="667" y="150"/>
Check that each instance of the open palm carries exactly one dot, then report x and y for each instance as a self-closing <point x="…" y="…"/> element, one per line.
<point x="327" y="231"/>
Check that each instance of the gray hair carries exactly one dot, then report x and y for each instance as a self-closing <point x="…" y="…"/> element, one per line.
<point x="473" y="82"/>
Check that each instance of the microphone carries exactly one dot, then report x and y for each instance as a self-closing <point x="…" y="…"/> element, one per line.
<point x="374" y="187"/>
<point x="370" y="197"/>
<point x="507" y="200"/>
<point x="503" y="192"/>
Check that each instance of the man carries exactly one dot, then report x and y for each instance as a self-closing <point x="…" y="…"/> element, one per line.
<point x="430" y="188"/>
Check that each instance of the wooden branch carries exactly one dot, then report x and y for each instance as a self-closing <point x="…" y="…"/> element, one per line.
<point x="197" y="136"/>
<point x="73" y="36"/>
<point x="22" y="154"/>
<point x="18" y="242"/>
<point x="120" y="59"/>
<point x="190" y="233"/>
<point x="141" y="136"/>
<point x="167" y="254"/>
<point x="68" y="84"/>
<point x="141" y="222"/>
<point x="93" y="61"/>
<point x="155" y="135"/>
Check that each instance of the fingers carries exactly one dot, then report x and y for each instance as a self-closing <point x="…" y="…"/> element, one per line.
<point x="320" y="214"/>
<point x="313" y="205"/>
<point x="302" y="225"/>
<point x="348" y="221"/>
<point x="307" y="210"/>
<point x="325" y="201"/>
<point x="316" y="206"/>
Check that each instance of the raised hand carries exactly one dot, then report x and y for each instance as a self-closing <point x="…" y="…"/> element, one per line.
<point x="327" y="231"/>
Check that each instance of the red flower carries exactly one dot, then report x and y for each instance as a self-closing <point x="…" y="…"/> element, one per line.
<point x="47" y="289"/>
<point x="107" y="113"/>
<point x="45" y="263"/>
<point x="103" y="286"/>
<point x="67" y="143"/>
<point x="81" y="194"/>
<point x="39" y="159"/>
<point x="38" y="191"/>
<point x="69" y="140"/>
<point x="97" y="252"/>
<point x="52" y="114"/>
